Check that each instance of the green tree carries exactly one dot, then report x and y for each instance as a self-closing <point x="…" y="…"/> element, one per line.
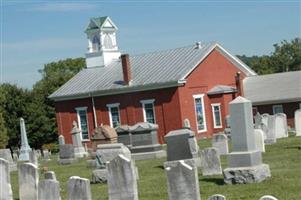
<point x="3" y="129"/>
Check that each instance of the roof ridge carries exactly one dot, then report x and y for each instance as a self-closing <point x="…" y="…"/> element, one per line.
<point x="273" y="74"/>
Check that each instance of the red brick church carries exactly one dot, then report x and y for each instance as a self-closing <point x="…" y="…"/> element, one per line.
<point x="194" y="82"/>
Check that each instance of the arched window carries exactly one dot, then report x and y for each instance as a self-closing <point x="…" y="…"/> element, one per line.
<point x="108" y="44"/>
<point x="95" y="43"/>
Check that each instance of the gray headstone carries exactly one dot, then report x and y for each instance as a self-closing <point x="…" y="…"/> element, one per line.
<point x="107" y="152"/>
<point x="28" y="181"/>
<point x="217" y="197"/>
<point x="259" y="140"/>
<point x="258" y="120"/>
<point x="122" y="180"/>
<point x="5" y="186"/>
<point x="271" y="133"/>
<point x="50" y="175"/>
<point x="298" y="122"/>
<point x="178" y="144"/>
<point x="220" y="141"/>
<point x="49" y="190"/>
<point x="61" y="140"/>
<point x="79" y="188"/>
<point x="99" y="176"/>
<point x="182" y="181"/>
<point x="25" y="148"/>
<point x="33" y="158"/>
<point x="210" y="162"/>
<point x="39" y="154"/>
<point x="79" y="149"/>
<point x="245" y="162"/>
<point x="281" y="125"/>
<point x="66" y="151"/>
<point x="268" y="197"/>
<point x="46" y="154"/>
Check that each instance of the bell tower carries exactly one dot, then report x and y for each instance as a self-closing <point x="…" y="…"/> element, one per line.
<point x="102" y="44"/>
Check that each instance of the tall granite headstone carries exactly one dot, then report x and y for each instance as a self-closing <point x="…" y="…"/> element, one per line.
<point x="78" y="188"/>
<point x="281" y="125"/>
<point x="182" y="180"/>
<point x="79" y="150"/>
<point x="244" y="162"/>
<point x="220" y="141"/>
<point x="28" y="181"/>
<point x="298" y="122"/>
<point x="5" y="186"/>
<point x="122" y="180"/>
<point x="49" y="190"/>
<point x="25" y="148"/>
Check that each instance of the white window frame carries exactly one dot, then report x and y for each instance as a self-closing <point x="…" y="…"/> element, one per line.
<point x="148" y="101"/>
<point x="277" y="106"/>
<point x="79" y="122"/>
<point x="213" y="115"/>
<point x="200" y="96"/>
<point x="110" y="106"/>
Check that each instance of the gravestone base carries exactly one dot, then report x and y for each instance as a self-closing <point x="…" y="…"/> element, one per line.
<point x="67" y="161"/>
<point x="80" y="152"/>
<point x="270" y="141"/>
<point x="99" y="176"/>
<point x="149" y="155"/>
<point x="91" y="163"/>
<point x="243" y="175"/>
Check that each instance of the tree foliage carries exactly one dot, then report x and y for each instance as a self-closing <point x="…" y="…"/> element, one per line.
<point x="3" y="129"/>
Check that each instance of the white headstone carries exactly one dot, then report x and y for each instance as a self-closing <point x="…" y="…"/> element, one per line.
<point x="46" y="154"/>
<point x="5" y="186"/>
<point x="6" y="155"/>
<point x="259" y="140"/>
<point x="220" y="142"/>
<point x="281" y="125"/>
<point x="186" y="123"/>
<point x="49" y="190"/>
<point x="61" y="140"/>
<point x="122" y="180"/>
<point x="217" y="197"/>
<point x="182" y="181"/>
<point x="33" y="158"/>
<point x="25" y="148"/>
<point x="268" y="197"/>
<point x="28" y="181"/>
<point x="298" y="122"/>
<point x="79" y="188"/>
<point x="210" y="162"/>
<point x="271" y="133"/>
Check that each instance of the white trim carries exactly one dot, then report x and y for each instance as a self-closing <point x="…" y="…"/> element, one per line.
<point x="148" y="101"/>
<point x="213" y="115"/>
<point x="85" y="108"/>
<point x="110" y="106"/>
<point x="277" y="106"/>
<point x="200" y="96"/>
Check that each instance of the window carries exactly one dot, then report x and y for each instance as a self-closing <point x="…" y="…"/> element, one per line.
<point x="108" y="44"/>
<point x="83" y="122"/>
<point x="95" y="43"/>
<point x="148" y="110"/>
<point x="277" y="109"/>
<point x="200" y="112"/>
<point x="114" y="114"/>
<point x="216" y="113"/>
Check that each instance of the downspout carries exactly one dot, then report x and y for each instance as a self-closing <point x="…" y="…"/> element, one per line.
<point x="94" y="111"/>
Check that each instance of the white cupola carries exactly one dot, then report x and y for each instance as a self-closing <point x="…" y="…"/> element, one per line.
<point x="102" y="45"/>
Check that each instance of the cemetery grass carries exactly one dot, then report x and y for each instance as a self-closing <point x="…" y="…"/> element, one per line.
<point x="284" y="159"/>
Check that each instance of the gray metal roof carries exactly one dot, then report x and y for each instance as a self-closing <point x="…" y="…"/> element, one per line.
<point x="273" y="88"/>
<point x="221" y="89"/>
<point x="149" y="71"/>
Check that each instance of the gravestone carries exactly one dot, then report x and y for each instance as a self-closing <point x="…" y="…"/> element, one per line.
<point x="33" y="158"/>
<point x="210" y="162"/>
<point x="227" y="130"/>
<point x="49" y="190"/>
<point x="268" y="197"/>
<point x="186" y="124"/>
<point x="6" y="155"/>
<point x="107" y="152"/>
<point x="39" y="154"/>
<point x="99" y="176"/>
<point x="181" y="145"/>
<point x="122" y="180"/>
<point x="271" y="133"/>
<point x="217" y="197"/>
<point x="259" y="140"/>
<point x="78" y="188"/>
<point x="46" y="154"/>
<point x="124" y="135"/>
<point x="257" y="120"/>
<point x="66" y="154"/>
<point x="5" y="186"/>
<point x="15" y="158"/>
<point x="182" y="180"/>
<point x="25" y="148"/>
<point x="103" y="134"/>
<point x="244" y="162"/>
<point x="50" y="175"/>
<point x="220" y="141"/>
<point x="281" y="125"/>
<point x="298" y="122"/>
<point x="28" y="181"/>
<point x="79" y="150"/>
<point x="61" y="140"/>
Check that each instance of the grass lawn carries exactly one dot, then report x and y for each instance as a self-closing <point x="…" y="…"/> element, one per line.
<point x="284" y="159"/>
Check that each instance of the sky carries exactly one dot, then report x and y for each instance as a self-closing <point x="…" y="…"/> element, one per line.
<point x="34" y="33"/>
